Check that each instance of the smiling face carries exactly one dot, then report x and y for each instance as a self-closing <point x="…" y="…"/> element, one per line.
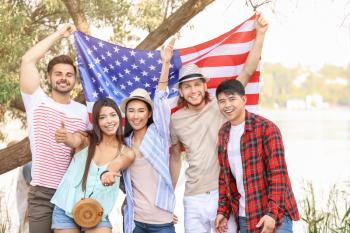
<point x="232" y="106"/>
<point x="137" y="114"/>
<point x="108" y="121"/>
<point x="193" y="92"/>
<point x="62" y="78"/>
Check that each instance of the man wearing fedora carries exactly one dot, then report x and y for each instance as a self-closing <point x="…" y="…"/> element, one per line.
<point x="195" y="127"/>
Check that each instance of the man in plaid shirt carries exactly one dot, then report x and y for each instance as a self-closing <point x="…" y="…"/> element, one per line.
<point x="253" y="183"/>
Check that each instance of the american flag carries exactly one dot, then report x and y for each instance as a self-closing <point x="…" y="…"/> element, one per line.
<point x="109" y="70"/>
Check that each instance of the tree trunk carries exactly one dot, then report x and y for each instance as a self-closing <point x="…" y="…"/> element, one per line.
<point x="173" y="24"/>
<point x="77" y="14"/>
<point x="15" y="156"/>
<point x="20" y="154"/>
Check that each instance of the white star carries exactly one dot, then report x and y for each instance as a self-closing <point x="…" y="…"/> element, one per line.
<point x="144" y="73"/>
<point x="137" y="79"/>
<point x="132" y="53"/>
<point x="114" y="78"/>
<point x="99" y="75"/>
<point x="172" y="77"/>
<point x="87" y="38"/>
<point x="171" y="65"/>
<point x="109" y="54"/>
<point x="125" y="58"/>
<point x="150" y="54"/>
<point x="111" y="66"/>
<point x="97" y="61"/>
<point x="159" y="61"/>
<point x="93" y="80"/>
<point x="129" y="83"/>
<point x="122" y="87"/>
<point x="94" y="47"/>
<point x="147" y="85"/>
<point x="127" y="71"/>
<point x="107" y="83"/>
<point x="142" y="61"/>
<point x="152" y="67"/>
<point x="120" y="75"/>
<point x="134" y="66"/>
<point x="115" y="92"/>
<point x="91" y="65"/>
<point x="154" y="78"/>
<point x="101" y="89"/>
<point x="101" y="44"/>
<point x="105" y="69"/>
<point x="116" y="49"/>
<point x="117" y="63"/>
<point x="89" y="51"/>
<point x="103" y="57"/>
<point x="95" y="94"/>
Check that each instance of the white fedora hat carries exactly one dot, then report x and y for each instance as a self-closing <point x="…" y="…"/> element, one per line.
<point x="190" y="72"/>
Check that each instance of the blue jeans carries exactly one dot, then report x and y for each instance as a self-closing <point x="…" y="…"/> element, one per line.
<point x="286" y="227"/>
<point x="154" y="228"/>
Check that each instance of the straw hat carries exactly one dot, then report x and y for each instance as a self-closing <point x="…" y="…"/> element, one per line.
<point x="190" y="72"/>
<point x="137" y="94"/>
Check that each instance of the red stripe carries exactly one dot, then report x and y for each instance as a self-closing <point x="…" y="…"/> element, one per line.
<point x="225" y="60"/>
<point x="212" y="42"/>
<point x="214" y="82"/>
<point x="252" y="99"/>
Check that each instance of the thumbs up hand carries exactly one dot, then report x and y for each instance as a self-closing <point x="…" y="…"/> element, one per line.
<point x="61" y="134"/>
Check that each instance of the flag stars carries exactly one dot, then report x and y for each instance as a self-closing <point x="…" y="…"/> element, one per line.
<point x="99" y="75"/>
<point x="137" y="79"/>
<point x="116" y="49"/>
<point x="159" y="61"/>
<point x="100" y="44"/>
<point x="101" y="89"/>
<point x="87" y="38"/>
<point x="115" y="92"/>
<point x="154" y="79"/>
<point x="142" y="61"/>
<point x="122" y="86"/>
<point x="111" y="66"/>
<point x="134" y="66"/>
<point x="152" y="67"/>
<point x="132" y="53"/>
<point x="103" y="57"/>
<point x="117" y="63"/>
<point x="91" y="65"/>
<point x="107" y="83"/>
<point x="120" y="75"/>
<point x="94" y="47"/>
<point x="109" y="54"/>
<point x="89" y="51"/>
<point x="144" y="73"/>
<point x="114" y="78"/>
<point x="171" y="66"/>
<point x="147" y="85"/>
<point x="97" y="61"/>
<point x="95" y="94"/>
<point x="127" y="71"/>
<point x="125" y="58"/>
<point x="105" y="69"/>
<point x="93" y="80"/>
<point x="129" y="83"/>
<point x="150" y="54"/>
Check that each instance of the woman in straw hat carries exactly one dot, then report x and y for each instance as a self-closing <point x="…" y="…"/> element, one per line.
<point x="149" y="190"/>
<point x="82" y="179"/>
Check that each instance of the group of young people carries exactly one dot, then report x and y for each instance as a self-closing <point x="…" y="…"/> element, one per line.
<point x="237" y="179"/>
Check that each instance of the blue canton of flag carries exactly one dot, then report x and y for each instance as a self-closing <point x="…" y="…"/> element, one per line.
<point x="109" y="70"/>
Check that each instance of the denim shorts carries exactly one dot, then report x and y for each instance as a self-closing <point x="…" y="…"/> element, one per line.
<point x="61" y="221"/>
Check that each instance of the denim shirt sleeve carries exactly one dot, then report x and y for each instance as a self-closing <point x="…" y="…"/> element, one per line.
<point x="161" y="114"/>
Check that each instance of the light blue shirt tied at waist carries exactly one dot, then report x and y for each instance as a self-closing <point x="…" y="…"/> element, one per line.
<point x="155" y="148"/>
<point x="69" y="192"/>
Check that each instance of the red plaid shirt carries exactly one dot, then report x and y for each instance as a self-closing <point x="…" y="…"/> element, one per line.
<point x="266" y="182"/>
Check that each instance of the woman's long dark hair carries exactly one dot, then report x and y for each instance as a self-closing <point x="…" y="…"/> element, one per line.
<point x="95" y="135"/>
<point x="128" y="129"/>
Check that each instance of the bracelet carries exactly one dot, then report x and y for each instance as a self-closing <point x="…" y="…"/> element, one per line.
<point x="163" y="81"/>
<point x="103" y="173"/>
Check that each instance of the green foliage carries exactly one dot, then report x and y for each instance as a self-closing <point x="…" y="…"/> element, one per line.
<point x="334" y="218"/>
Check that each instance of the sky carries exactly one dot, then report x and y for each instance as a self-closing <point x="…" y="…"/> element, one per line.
<point x="301" y="32"/>
<point x="308" y="32"/>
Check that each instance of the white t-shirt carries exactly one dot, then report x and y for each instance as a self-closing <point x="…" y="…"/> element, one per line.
<point x="235" y="161"/>
<point x="44" y="116"/>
